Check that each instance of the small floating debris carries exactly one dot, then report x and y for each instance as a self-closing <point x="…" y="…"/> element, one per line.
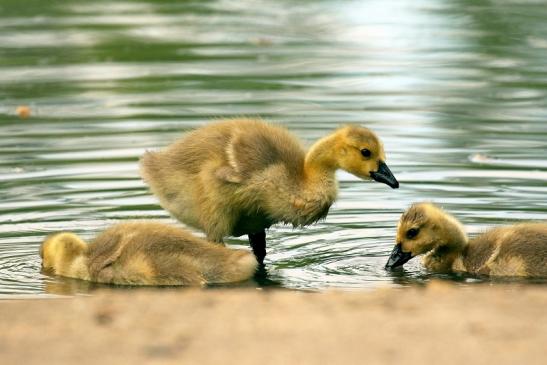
<point x="261" y="41"/>
<point x="23" y="111"/>
<point x="481" y="158"/>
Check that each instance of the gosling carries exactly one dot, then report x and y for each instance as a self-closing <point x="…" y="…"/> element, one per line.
<point x="145" y="253"/>
<point x="516" y="250"/>
<point x="240" y="176"/>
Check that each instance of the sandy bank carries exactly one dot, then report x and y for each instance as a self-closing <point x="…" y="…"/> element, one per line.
<point x="441" y="324"/>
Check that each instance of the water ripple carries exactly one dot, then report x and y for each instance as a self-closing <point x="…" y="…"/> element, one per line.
<point x="456" y="91"/>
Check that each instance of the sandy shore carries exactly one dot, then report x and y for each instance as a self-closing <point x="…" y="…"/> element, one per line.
<point x="441" y="324"/>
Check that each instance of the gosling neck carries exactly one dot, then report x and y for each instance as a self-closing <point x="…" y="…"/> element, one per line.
<point x="443" y="256"/>
<point x="453" y="229"/>
<point x="320" y="163"/>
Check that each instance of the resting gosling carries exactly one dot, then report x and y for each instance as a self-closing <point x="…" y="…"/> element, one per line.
<point x="145" y="253"/>
<point x="241" y="176"/>
<point x="516" y="250"/>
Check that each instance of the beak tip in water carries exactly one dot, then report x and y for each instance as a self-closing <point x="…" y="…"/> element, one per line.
<point x="397" y="258"/>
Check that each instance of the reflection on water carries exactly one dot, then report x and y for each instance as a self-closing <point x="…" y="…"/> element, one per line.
<point x="457" y="90"/>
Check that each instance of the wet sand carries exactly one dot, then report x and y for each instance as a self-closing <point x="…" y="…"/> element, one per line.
<point x="441" y="324"/>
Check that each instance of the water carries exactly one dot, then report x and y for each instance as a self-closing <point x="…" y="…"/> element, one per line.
<point x="456" y="89"/>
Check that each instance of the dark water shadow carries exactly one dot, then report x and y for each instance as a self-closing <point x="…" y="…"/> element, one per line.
<point x="405" y="278"/>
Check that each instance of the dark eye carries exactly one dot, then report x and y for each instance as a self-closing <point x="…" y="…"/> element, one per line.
<point x="366" y="153"/>
<point x="412" y="232"/>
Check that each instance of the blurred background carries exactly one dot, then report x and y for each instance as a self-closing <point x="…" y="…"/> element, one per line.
<point x="457" y="90"/>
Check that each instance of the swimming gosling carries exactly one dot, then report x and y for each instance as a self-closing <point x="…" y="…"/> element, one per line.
<point x="516" y="250"/>
<point x="145" y="253"/>
<point x="241" y="176"/>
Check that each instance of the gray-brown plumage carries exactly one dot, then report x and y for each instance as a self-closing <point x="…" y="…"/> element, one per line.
<point x="240" y="176"/>
<point x="145" y="253"/>
<point x="516" y="250"/>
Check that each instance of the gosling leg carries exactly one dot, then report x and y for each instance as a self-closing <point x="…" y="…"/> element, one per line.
<point x="258" y="244"/>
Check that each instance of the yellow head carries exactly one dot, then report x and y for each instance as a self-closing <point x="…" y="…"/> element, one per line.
<point x="361" y="153"/>
<point x="422" y="228"/>
<point x="59" y="250"/>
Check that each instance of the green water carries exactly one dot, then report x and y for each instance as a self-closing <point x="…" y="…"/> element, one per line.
<point x="457" y="90"/>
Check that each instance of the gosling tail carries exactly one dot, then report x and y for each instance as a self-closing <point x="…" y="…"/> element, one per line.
<point x="242" y="267"/>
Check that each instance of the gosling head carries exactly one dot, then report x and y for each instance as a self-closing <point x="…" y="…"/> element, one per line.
<point x="58" y="248"/>
<point x="422" y="228"/>
<point x="361" y="153"/>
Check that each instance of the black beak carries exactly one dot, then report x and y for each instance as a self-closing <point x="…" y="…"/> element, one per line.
<point x="384" y="175"/>
<point x="397" y="257"/>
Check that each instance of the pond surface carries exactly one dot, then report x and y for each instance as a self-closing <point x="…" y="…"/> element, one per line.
<point x="456" y="89"/>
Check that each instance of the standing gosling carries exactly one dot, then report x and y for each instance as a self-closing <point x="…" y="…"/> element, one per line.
<point x="241" y="176"/>
<point x="516" y="250"/>
<point x="145" y="253"/>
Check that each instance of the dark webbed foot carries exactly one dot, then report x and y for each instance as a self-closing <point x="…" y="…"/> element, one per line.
<point x="258" y="244"/>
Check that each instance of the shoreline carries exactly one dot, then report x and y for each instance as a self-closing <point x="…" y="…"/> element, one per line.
<point x="440" y="323"/>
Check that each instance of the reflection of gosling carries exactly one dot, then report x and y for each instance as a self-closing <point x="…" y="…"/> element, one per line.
<point x="517" y="250"/>
<point x="145" y="253"/>
<point x="240" y="176"/>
